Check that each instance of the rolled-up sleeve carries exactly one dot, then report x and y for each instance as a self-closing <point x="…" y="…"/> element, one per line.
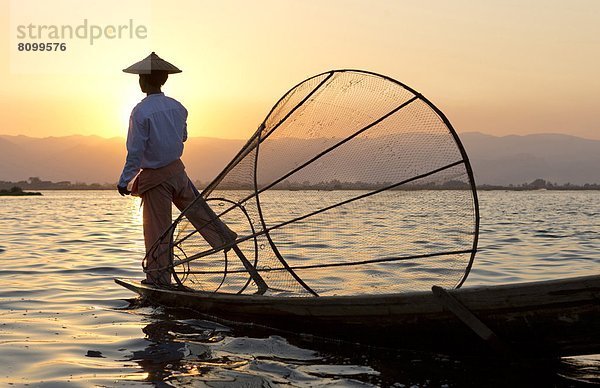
<point x="137" y="136"/>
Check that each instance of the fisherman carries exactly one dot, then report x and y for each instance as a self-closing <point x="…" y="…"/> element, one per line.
<point x="154" y="171"/>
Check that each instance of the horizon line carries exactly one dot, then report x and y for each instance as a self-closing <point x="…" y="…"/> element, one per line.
<point x="244" y="139"/>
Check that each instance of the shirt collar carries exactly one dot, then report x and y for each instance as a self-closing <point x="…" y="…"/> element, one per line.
<point x="154" y="95"/>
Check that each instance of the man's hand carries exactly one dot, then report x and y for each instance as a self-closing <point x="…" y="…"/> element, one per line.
<point x="123" y="190"/>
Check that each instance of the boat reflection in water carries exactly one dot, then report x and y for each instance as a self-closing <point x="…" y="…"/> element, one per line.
<point x="184" y="348"/>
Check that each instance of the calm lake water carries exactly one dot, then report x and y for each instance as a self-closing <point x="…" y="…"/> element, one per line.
<point x="63" y="321"/>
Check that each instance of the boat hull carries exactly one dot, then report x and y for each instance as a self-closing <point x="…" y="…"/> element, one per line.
<point x="539" y="319"/>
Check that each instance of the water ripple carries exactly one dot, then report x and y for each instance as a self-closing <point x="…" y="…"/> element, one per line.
<point x="59" y="305"/>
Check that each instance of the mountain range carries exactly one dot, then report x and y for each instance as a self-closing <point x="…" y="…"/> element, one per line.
<point x="496" y="160"/>
<point x="518" y="159"/>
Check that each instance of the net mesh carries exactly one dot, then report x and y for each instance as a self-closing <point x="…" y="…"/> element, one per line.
<point x="353" y="184"/>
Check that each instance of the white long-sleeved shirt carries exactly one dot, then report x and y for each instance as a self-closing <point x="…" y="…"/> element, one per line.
<point x="157" y="130"/>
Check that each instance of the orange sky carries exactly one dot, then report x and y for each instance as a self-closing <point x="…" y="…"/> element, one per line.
<point x="498" y="67"/>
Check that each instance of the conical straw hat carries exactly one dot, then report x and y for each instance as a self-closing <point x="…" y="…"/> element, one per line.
<point x="151" y="63"/>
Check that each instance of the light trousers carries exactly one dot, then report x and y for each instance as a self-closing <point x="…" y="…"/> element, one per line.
<point x="157" y="214"/>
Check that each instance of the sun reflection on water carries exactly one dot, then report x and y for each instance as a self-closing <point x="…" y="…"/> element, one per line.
<point x="59" y="306"/>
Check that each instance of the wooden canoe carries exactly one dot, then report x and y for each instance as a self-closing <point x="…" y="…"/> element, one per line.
<point x="538" y="319"/>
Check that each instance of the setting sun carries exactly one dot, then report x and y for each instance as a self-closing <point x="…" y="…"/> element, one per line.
<point x="513" y="76"/>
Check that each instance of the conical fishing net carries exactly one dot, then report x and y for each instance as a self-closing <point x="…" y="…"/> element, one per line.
<point x="353" y="184"/>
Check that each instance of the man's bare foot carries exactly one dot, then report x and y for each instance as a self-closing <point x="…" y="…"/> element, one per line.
<point x="148" y="282"/>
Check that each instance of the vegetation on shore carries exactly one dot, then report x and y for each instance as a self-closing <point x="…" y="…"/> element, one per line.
<point x="16" y="191"/>
<point x="35" y="183"/>
<point x="541" y="184"/>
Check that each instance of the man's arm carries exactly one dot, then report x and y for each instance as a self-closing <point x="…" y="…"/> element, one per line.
<point x="185" y="115"/>
<point x="137" y="136"/>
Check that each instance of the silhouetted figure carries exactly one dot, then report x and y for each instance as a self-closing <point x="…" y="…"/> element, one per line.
<point x="157" y="131"/>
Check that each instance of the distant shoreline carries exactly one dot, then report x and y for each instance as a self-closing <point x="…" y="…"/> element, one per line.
<point x="536" y="185"/>
<point x="479" y="188"/>
<point x="16" y="191"/>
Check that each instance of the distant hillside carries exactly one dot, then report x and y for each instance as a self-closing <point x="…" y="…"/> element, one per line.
<point x="92" y="159"/>
<point x="496" y="160"/>
<point x="518" y="159"/>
